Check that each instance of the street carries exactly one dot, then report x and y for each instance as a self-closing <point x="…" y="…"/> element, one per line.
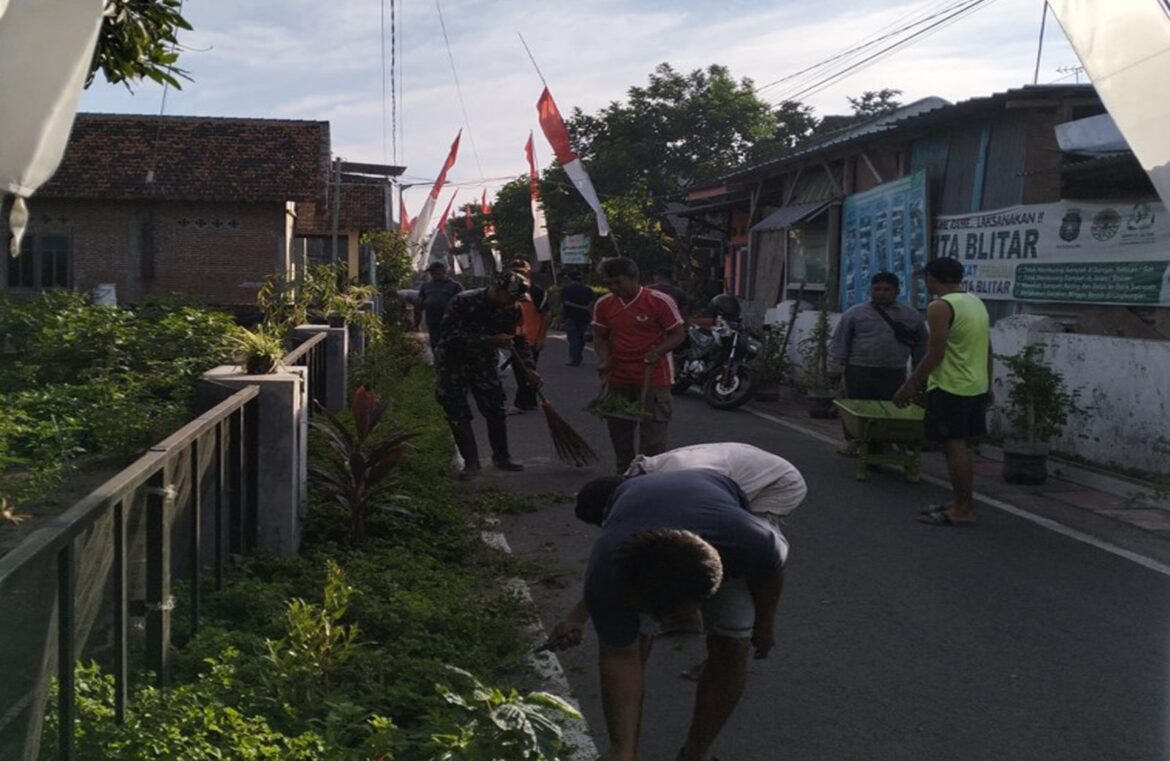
<point x="895" y="640"/>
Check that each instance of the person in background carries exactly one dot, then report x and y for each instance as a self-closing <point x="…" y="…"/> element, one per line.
<point x="874" y="342"/>
<point x="664" y="283"/>
<point x="477" y="323"/>
<point x="576" y="312"/>
<point x="957" y="371"/>
<point x="534" y="324"/>
<point x="433" y="297"/>
<point x="635" y="329"/>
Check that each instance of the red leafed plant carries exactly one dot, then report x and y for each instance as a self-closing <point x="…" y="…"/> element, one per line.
<point x="362" y="459"/>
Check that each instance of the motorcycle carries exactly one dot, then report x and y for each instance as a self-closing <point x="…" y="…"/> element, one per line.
<point x="719" y="360"/>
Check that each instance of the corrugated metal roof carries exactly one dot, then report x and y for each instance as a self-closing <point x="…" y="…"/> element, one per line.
<point x="789" y="216"/>
<point x="917" y="114"/>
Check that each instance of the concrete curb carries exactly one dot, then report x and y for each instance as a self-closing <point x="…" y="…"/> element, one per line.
<point x="547" y="666"/>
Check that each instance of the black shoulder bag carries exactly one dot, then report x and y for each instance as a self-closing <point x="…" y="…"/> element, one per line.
<point x="902" y="334"/>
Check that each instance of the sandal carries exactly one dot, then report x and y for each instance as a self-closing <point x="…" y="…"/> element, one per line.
<point x="940" y="518"/>
<point x="933" y="509"/>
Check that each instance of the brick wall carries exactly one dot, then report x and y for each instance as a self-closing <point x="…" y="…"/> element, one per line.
<point x="216" y="253"/>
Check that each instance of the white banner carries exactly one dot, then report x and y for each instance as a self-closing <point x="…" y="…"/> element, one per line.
<point x="1070" y="251"/>
<point x="540" y="233"/>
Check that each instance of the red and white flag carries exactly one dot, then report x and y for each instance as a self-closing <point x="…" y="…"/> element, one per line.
<point x="539" y="224"/>
<point x="403" y="216"/>
<point x="420" y="225"/>
<point x="554" y="129"/>
<point x="442" y="227"/>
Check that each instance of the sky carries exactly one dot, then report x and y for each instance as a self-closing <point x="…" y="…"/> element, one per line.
<point x="322" y="60"/>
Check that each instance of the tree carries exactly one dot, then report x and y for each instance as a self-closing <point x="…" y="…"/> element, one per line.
<point x="394" y="264"/>
<point x="795" y="123"/>
<point x="139" y="40"/>
<point x="675" y="131"/>
<point x="876" y="103"/>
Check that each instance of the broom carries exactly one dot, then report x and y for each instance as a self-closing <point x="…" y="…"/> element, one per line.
<point x="571" y="448"/>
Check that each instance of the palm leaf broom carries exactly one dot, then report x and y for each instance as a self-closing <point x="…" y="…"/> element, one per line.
<point x="571" y="447"/>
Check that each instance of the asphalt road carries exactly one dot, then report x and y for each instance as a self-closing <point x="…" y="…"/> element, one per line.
<point x="895" y="640"/>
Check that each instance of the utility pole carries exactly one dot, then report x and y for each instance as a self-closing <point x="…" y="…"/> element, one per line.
<point x="1040" y="44"/>
<point x="336" y="208"/>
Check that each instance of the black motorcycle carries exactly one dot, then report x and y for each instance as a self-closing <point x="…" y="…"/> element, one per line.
<point x="720" y="361"/>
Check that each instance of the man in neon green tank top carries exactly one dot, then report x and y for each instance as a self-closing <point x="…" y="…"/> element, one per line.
<point x="957" y="373"/>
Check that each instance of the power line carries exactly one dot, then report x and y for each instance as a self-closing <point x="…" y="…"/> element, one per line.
<point x="458" y="88"/>
<point x="382" y="39"/>
<point x="393" y="87"/>
<point x="915" y="19"/>
<point x="831" y="79"/>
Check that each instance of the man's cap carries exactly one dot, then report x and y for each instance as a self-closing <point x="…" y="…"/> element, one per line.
<point x="520" y="265"/>
<point x="436" y="266"/>
<point x="513" y="282"/>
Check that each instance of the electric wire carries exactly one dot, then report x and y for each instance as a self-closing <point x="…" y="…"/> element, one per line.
<point x="458" y="88"/>
<point x="393" y="87"/>
<point x="909" y="21"/>
<point x="827" y="81"/>
<point x="382" y="40"/>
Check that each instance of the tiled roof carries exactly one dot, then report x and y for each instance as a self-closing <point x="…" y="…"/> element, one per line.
<point x="362" y="208"/>
<point x="193" y="158"/>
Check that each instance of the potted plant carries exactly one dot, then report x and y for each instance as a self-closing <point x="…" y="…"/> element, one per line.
<point x="259" y="351"/>
<point x="1038" y="406"/>
<point x="773" y="363"/>
<point x="341" y="309"/>
<point x="814" y="350"/>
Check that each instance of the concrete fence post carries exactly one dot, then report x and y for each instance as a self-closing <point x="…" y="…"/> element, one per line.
<point x="283" y="465"/>
<point x="336" y="363"/>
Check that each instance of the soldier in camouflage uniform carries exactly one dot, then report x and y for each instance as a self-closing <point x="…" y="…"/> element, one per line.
<point x="475" y="325"/>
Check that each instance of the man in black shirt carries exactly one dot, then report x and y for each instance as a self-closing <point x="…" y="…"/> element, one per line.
<point x="664" y="283"/>
<point x="433" y="297"/>
<point x="576" y="312"/>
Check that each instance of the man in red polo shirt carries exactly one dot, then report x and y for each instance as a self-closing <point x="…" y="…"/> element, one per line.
<point x="635" y="329"/>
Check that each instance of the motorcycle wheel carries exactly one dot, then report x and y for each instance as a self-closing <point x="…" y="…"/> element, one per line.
<point x="735" y="392"/>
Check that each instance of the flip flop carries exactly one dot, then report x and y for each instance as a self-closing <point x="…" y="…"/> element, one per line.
<point x="933" y="509"/>
<point x="940" y="518"/>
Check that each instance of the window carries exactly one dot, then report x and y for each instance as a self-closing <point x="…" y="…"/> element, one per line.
<point x="808" y="257"/>
<point x="43" y="263"/>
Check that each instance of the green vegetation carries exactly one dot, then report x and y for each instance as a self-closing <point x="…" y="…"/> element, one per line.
<point x="78" y="379"/>
<point x="814" y="351"/>
<point x="349" y="652"/>
<point x="1039" y="402"/>
<point x="139" y="40"/>
<point x="320" y="293"/>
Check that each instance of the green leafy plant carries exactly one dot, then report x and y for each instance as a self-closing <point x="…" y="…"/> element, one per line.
<point x="259" y="351"/>
<point x="499" y="725"/>
<point x="304" y="663"/>
<point x="363" y="460"/>
<point x="610" y="405"/>
<point x="774" y="364"/>
<point x="1039" y="402"/>
<point x="814" y="351"/>
<point x="139" y="39"/>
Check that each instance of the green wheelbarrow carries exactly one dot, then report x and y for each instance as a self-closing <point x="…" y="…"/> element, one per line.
<point x="885" y="434"/>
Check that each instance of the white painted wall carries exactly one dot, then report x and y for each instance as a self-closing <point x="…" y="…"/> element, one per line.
<point x="1124" y="385"/>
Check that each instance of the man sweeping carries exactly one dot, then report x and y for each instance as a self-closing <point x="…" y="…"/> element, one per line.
<point x="476" y="324"/>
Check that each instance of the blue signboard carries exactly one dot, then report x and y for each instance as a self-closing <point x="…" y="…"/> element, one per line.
<point x="885" y="230"/>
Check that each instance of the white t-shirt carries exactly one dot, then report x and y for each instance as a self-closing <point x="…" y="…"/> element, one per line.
<point x="772" y="484"/>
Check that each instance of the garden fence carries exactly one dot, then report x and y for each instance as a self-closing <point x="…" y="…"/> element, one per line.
<point x="97" y="579"/>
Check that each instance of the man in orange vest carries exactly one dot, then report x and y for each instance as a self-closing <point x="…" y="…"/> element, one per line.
<point x="534" y="324"/>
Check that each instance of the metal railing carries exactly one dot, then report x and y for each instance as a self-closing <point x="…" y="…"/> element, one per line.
<point x="207" y="470"/>
<point x="310" y="353"/>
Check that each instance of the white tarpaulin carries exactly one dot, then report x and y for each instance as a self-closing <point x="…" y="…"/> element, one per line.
<point x="1070" y="251"/>
<point x="1125" y="48"/>
<point x="45" y="50"/>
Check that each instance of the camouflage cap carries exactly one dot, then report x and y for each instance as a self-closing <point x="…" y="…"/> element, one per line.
<point x="513" y="282"/>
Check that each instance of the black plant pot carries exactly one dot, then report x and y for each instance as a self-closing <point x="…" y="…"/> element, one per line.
<point x="336" y="321"/>
<point x="820" y="404"/>
<point x="768" y="392"/>
<point x="1025" y="464"/>
<point x="259" y="365"/>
